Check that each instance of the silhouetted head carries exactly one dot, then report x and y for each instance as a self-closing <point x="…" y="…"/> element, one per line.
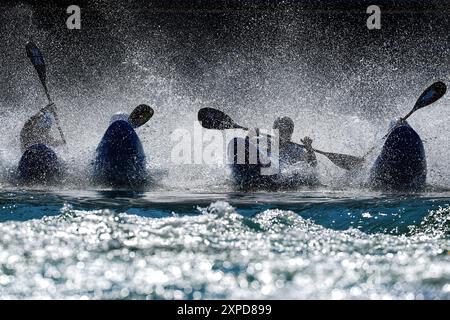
<point x="119" y="116"/>
<point x="285" y="127"/>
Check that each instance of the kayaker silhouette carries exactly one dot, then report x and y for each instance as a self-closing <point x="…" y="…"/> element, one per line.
<point x="261" y="161"/>
<point x="120" y="159"/>
<point x="37" y="129"/>
<point x="214" y="119"/>
<point x="290" y="153"/>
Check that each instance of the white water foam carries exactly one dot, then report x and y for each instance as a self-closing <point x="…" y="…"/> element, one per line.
<point x="218" y="254"/>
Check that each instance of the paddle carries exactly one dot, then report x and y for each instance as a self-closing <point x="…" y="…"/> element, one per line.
<point x="140" y="115"/>
<point x="211" y="118"/>
<point x="430" y="95"/>
<point x="37" y="59"/>
<point x="344" y="161"/>
<point x="214" y="119"/>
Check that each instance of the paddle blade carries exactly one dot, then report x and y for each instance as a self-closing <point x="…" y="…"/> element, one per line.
<point x="431" y="94"/>
<point x="140" y="115"/>
<point x="343" y="161"/>
<point x="214" y="119"/>
<point x="37" y="59"/>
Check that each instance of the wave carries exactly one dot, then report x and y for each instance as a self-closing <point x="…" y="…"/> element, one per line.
<point x="218" y="253"/>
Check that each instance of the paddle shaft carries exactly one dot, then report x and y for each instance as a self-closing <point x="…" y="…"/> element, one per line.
<point x="50" y="101"/>
<point x="54" y="113"/>
<point x="409" y="113"/>
<point x="431" y="94"/>
<point x="297" y="144"/>
<point x="416" y="107"/>
<point x="215" y="119"/>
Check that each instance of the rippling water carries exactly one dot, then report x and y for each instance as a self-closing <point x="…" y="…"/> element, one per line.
<point x="173" y="245"/>
<point x="340" y="83"/>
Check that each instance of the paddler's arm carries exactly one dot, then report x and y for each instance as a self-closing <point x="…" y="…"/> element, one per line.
<point x="28" y="132"/>
<point x="51" y="108"/>
<point x="310" y="156"/>
<point x="56" y="142"/>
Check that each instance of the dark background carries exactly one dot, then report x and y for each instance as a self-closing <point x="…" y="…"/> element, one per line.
<point x="318" y="40"/>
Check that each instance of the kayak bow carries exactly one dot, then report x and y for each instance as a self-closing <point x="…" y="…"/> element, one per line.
<point x="39" y="164"/>
<point x="402" y="165"/>
<point x="249" y="175"/>
<point x="120" y="159"/>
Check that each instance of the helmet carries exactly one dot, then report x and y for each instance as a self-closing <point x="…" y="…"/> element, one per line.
<point x="285" y="125"/>
<point x="45" y="121"/>
<point x="119" y="116"/>
<point x="394" y="123"/>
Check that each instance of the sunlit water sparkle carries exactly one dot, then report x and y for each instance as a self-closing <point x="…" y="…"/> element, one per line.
<point x="189" y="235"/>
<point x="191" y="246"/>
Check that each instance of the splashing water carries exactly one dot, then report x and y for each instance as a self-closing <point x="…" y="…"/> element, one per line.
<point x="341" y="93"/>
<point x="190" y="236"/>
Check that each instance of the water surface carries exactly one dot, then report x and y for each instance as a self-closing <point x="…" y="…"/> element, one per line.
<point x="173" y="244"/>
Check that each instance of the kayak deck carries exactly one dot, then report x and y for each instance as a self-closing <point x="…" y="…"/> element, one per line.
<point x="401" y="165"/>
<point x="256" y="175"/>
<point x="120" y="159"/>
<point x="39" y="164"/>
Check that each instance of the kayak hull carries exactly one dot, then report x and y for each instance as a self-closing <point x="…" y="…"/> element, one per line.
<point x="39" y="164"/>
<point x="401" y="165"/>
<point x="249" y="175"/>
<point x="120" y="159"/>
